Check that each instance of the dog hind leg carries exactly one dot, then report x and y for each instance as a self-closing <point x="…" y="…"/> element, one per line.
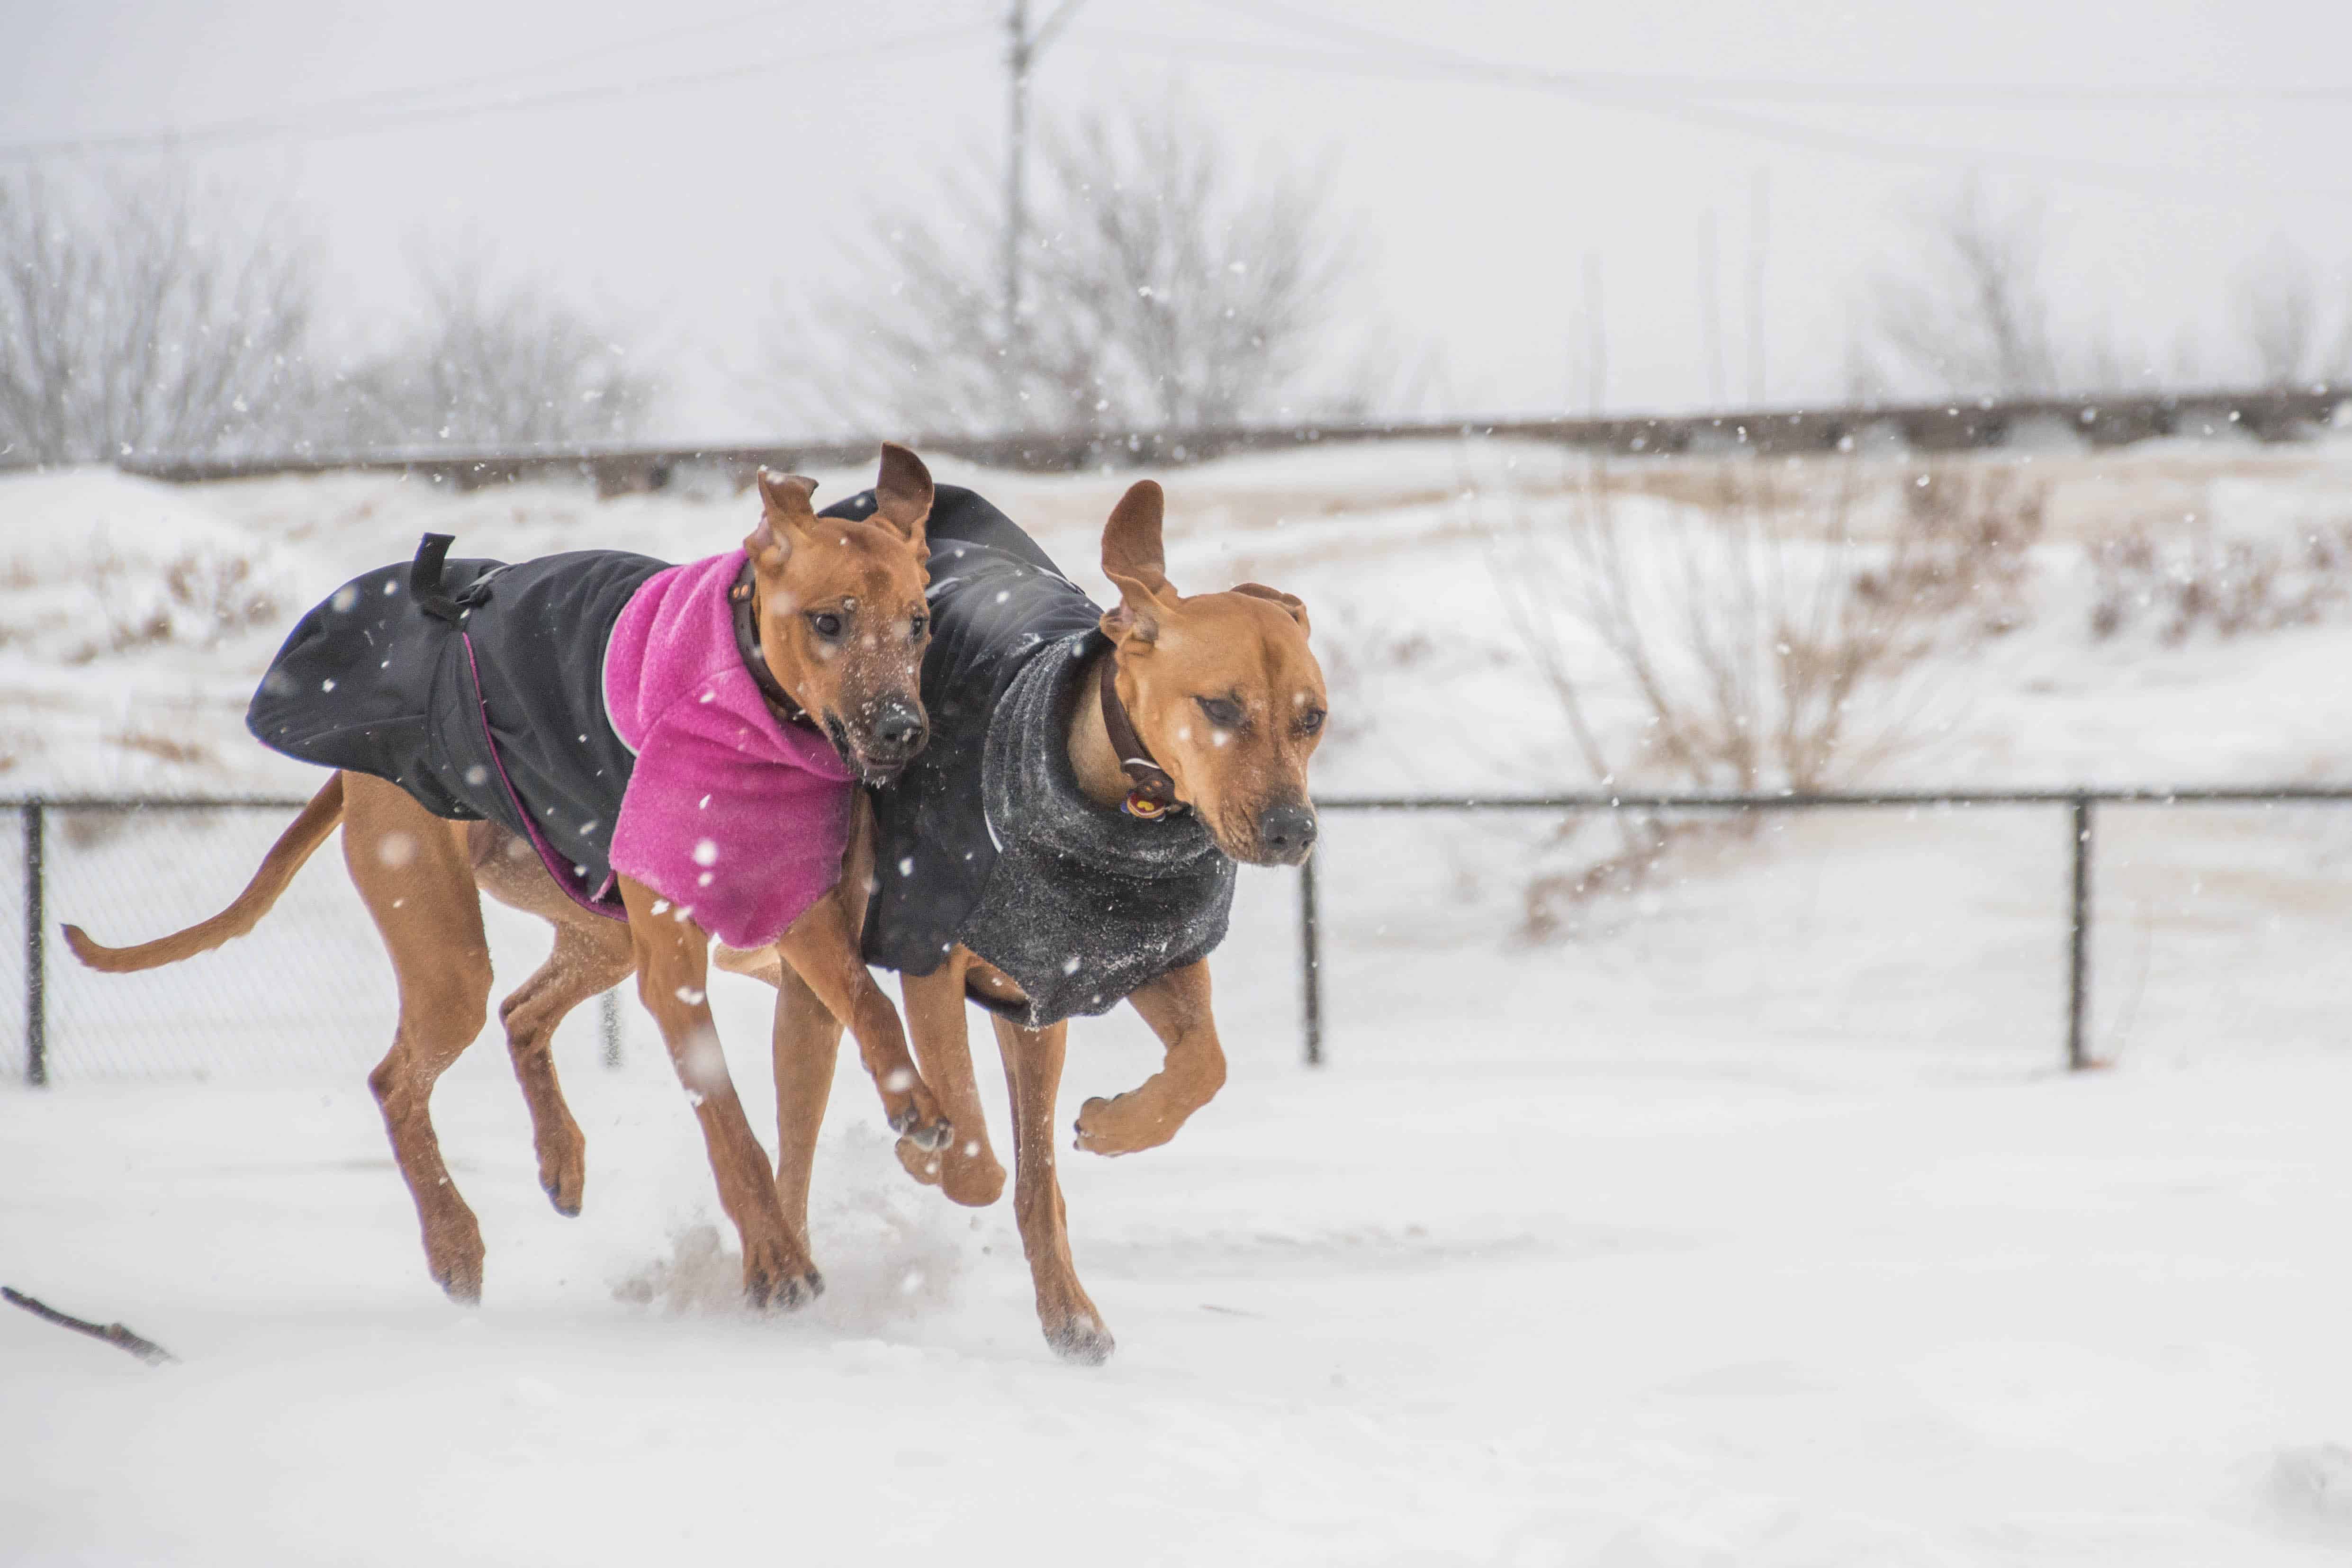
<point x="1033" y="1071"/>
<point x="807" y="1045"/>
<point x="587" y="959"/>
<point x="412" y="872"/>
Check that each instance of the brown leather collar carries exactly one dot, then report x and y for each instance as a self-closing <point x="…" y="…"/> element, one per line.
<point x="1154" y="792"/>
<point x="743" y="600"/>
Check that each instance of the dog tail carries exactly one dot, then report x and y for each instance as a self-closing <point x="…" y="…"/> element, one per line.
<point x="285" y="856"/>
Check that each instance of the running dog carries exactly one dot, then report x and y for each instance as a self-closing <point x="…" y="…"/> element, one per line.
<point x="646" y="755"/>
<point x="1067" y="842"/>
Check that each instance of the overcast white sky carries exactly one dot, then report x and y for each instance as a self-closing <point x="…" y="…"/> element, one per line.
<point x="690" y="209"/>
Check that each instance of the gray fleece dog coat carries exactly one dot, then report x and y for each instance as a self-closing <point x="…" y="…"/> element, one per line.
<point x="986" y="840"/>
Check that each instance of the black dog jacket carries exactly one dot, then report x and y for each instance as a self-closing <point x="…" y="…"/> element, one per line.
<point x="476" y="689"/>
<point x="986" y="839"/>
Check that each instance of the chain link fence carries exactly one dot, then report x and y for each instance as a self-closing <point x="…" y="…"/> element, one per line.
<point x="1996" y="930"/>
<point x="308" y="990"/>
<point x="2007" y="931"/>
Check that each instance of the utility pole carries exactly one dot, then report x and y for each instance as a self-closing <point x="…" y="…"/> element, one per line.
<point x="1022" y="50"/>
<point x="1710" y="312"/>
<point x="1759" y="243"/>
<point x="1596" y="339"/>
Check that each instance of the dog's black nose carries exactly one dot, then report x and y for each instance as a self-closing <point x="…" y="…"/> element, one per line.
<point x="1287" y="831"/>
<point x="898" y="729"/>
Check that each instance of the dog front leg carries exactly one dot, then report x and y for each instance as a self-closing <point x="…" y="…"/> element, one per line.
<point x="822" y="948"/>
<point x="672" y="956"/>
<point x="966" y="1170"/>
<point x="1176" y="1006"/>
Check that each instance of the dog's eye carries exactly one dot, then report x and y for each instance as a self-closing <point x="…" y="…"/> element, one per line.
<point x="1223" y="711"/>
<point x="917" y="628"/>
<point x="826" y="623"/>
<point x="1310" y="722"/>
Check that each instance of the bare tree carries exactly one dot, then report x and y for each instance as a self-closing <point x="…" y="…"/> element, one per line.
<point x="142" y="317"/>
<point x="491" y="363"/>
<point x="1770" y="639"/>
<point x="2280" y="314"/>
<point x="1972" y="316"/>
<point x="1168" y="287"/>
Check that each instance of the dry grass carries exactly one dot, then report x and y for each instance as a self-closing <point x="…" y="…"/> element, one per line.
<point x="206" y="598"/>
<point x="1766" y="640"/>
<point x="185" y="753"/>
<point x="2229" y="587"/>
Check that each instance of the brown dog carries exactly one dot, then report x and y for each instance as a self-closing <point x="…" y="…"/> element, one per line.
<point x="1225" y="695"/>
<point x="841" y="627"/>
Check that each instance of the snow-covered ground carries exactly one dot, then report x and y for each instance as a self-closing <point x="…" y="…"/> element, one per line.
<point x="1749" y="1224"/>
<point x="1532" y="1307"/>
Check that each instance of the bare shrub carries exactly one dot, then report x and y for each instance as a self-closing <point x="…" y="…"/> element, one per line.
<point x="142" y="316"/>
<point x="2229" y="587"/>
<point x="1967" y="537"/>
<point x="165" y="748"/>
<point x="491" y="363"/>
<point x="1765" y="642"/>
<point x="205" y="597"/>
<point x="1167" y="285"/>
<point x="224" y="591"/>
<point x="2282" y="315"/>
<point x="1971" y="313"/>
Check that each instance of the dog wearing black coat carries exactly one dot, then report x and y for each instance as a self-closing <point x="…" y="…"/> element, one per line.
<point x="1067" y="842"/>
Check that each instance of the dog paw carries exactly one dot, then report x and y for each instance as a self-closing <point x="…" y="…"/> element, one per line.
<point x="967" y="1171"/>
<point x="779" y="1282"/>
<point x="923" y="1164"/>
<point x="794" y="1292"/>
<point x="457" y="1264"/>
<point x="1081" y="1340"/>
<point x="926" y="1136"/>
<point x="563" y="1184"/>
<point x="1123" y="1125"/>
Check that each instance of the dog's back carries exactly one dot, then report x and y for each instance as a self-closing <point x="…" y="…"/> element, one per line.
<point x="997" y="599"/>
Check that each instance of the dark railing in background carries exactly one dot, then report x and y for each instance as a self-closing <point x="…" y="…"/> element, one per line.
<point x="37" y="814"/>
<point x="2080" y="804"/>
<point x="2266" y="413"/>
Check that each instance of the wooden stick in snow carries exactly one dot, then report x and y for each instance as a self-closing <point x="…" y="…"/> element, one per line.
<point x="114" y="1334"/>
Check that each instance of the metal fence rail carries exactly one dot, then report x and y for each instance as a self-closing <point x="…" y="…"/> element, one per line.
<point x="2113" y="420"/>
<point x="111" y="861"/>
<point x="39" y="814"/>
<point x="2080" y="804"/>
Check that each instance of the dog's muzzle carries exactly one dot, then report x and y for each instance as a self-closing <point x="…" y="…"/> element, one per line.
<point x="898" y="737"/>
<point x="1286" y="833"/>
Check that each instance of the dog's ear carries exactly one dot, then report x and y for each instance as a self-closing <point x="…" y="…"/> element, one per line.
<point x="903" y="492"/>
<point x="1132" y="559"/>
<point x="784" y="506"/>
<point x="1290" y="602"/>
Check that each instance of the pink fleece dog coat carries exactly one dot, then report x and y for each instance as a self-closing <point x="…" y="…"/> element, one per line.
<point x="737" y="817"/>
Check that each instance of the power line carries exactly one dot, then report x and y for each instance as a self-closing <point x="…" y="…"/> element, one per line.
<point x="353" y="117"/>
<point x="1904" y="95"/>
<point x="2137" y="179"/>
<point x="633" y="45"/>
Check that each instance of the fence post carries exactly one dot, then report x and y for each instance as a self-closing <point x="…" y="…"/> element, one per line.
<point x="1310" y="956"/>
<point x="608" y="1024"/>
<point x="36" y="977"/>
<point x="2078" y="975"/>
